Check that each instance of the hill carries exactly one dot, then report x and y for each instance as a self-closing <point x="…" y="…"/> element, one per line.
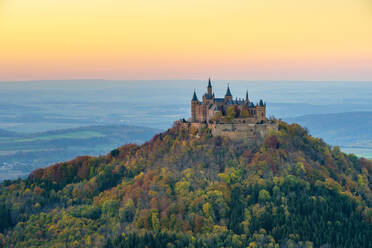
<point x="5" y="133"/>
<point x="21" y="153"/>
<point x="185" y="188"/>
<point x="352" y="131"/>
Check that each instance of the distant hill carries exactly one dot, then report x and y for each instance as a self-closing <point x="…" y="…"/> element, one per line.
<point x="352" y="130"/>
<point x="185" y="188"/>
<point x="4" y="133"/>
<point x="22" y="153"/>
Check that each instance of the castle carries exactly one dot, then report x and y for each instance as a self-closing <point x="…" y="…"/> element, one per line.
<point x="235" y="118"/>
<point x="226" y="109"/>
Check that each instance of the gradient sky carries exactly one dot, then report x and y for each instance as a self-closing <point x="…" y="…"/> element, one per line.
<point x="184" y="39"/>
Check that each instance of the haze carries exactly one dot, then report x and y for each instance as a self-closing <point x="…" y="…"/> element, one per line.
<point x="164" y="39"/>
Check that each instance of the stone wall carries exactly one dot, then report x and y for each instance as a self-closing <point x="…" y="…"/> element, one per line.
<point x="239" y="131"/>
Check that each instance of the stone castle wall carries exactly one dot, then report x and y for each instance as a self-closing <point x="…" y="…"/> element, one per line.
<point x="240" y="131"/>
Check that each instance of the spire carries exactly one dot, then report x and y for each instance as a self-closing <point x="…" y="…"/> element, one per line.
<point x="209" y="88"/>
<point x="246" y="96"/>
<point x="228" y="92"/>
<point x="194" y="97"/>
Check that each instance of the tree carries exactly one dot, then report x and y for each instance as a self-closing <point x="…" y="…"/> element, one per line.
<point x="155" y="221"/>
<point x="230" y="113"/>
<point x="127" y="213"/>
<point x="245" y="113"/>
<point x="110" y="208"/>
<point x="207" y="209"/>
<point x="264" y="195"/>
<point x="236" y="210"/>
<point x="5" y="218"/>
<point x="115" y="153"/>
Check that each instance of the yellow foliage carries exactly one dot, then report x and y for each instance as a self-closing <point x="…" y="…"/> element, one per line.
<point x="253" y="245"/>
<point x="183" y="187"/>
<point x="224" y="177"/>
<point x="219" y="229"/>
<point x="362" y="180"/>
<point x="138" y="176"/>
<point x="207" y="209"/>
<point x="332" y="185"/>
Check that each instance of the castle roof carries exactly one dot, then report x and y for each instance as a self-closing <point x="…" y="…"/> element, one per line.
<point x="209" y="83"/>
<point x="228" y="92"/>
<point x="234" y="102"/>
<point x="238" y="102"/>
<point x="194" y="97"/>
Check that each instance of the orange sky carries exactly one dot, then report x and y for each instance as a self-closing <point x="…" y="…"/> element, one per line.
<point x="168" y="39"/>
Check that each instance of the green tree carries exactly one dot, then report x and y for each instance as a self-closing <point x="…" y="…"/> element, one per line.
<point x="230" y="113"/>
<point x="110" y="208"/>
<point x="264" y="195"/>
<point x="127" y="212"/>
<point x="155" y="220"/>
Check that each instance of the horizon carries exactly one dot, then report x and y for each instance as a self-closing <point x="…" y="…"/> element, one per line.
<point x="191" y="79"/>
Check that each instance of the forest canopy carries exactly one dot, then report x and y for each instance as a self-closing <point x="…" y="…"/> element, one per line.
<point x="185" y="188"/>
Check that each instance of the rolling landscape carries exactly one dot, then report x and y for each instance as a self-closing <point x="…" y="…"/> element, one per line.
<point x="53" y="129"/>
<point x="21" y="153"/>
<point x="186" y="124"/>
<point x="352" y="131"/>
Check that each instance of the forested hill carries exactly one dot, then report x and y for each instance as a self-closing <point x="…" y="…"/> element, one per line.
<point x="185" y="188"/>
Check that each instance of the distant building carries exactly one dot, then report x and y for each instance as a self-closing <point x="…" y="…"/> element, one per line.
<point x="235" y="118"/>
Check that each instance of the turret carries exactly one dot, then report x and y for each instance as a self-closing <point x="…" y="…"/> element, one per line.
<point x="208" y="96"/>
<point x="209" y="88"/>
<point x="228" y="95"/>
<point x="246" y="97"/>
<point x="194" y="98"/>
<point x="194" y="103"/>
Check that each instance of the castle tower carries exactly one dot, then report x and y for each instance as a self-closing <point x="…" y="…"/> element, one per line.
<point x="194" y="103"/>
<point x="228" y="95"/>
<point x="208" y="97"/>
<point x="246" y="97"/>
<point x="209" y="88"/>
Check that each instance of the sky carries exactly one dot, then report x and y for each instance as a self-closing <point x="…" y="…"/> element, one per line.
<point x="186" y="39"/>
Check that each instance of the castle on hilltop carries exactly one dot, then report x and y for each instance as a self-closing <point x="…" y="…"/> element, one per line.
<point x="237" y="118"/>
